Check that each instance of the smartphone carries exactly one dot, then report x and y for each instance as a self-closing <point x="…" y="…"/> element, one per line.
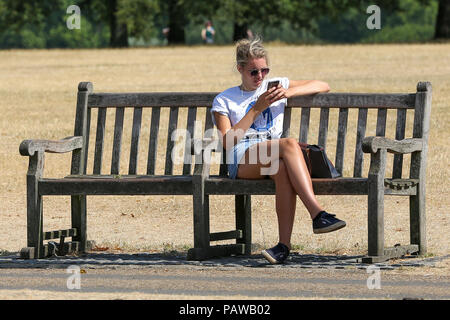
<point x="272" y="84"/>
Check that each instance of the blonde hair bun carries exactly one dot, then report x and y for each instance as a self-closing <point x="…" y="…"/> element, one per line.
<point x="250" y="49"/>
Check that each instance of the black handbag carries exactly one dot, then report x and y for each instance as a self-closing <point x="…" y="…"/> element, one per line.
<point x="318" y="164"/>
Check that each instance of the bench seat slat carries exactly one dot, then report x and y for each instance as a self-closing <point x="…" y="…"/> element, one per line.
<point x="117" y="185"/>
<point x="221" y="185"/>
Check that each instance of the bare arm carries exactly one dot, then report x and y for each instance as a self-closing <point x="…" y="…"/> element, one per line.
<point x="301" y="87"/>
<point x="231" y="135"/>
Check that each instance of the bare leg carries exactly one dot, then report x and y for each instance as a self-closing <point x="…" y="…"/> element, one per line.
<point x="285" y="189"/>
<point x="292" y="156"/>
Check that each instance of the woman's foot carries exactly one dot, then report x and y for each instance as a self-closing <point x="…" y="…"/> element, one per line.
<point x="277" y="254"/>
<point x="326" y="222"/>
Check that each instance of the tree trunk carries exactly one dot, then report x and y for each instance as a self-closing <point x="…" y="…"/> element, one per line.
<point x="442" y="30"/>
<point x="119" y="32"/>
<point x="177" y="22"/>
<point x="240" y="31"/>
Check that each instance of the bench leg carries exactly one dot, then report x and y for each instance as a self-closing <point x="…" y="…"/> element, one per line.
<point x="376" y="205"/>
<point x="35" y="247"/>
<point x="201" y="223"/>
<point x="78" y="207"/>
<point x="417" y="220"/>
<point x="244" y="221"/>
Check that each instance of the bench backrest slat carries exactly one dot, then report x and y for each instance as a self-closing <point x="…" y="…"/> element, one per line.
<point x="99" y="140"/>
<point x="381" y="122"/>
<point x="173" y="122"/>
<point x="286" y="122"/>
<point x="152" y="145"/>
<point x="117" y="144"/>
<point x="304" y="124"/>
<point x="190" y="127"/>
<point x="342" y="132"/>
<point x="360" y="134"/>
<point x="135" y="137"/>
<point x="399" y="135"/>
<point x="323" y="127"/>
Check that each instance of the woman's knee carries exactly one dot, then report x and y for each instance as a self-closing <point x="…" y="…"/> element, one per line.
<point x="289" y="145"/>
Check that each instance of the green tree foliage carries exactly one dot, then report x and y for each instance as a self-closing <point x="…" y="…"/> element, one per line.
<point x="42" y="24"/>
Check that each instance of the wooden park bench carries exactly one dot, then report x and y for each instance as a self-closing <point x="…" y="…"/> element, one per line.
<point x="196" y="179"/>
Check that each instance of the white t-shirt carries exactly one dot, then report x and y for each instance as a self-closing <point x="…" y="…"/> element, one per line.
<point x="235" y="103"/>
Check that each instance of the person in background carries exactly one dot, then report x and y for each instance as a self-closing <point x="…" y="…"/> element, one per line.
<point x="208" y="33"/>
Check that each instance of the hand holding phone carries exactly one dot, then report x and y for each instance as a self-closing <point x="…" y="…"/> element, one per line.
<point x="272" y="84"/>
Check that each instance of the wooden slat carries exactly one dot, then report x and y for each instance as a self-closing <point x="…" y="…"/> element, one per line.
<point x="354" y="100"/>
<point x="135" y="134"/>
<point x="88" y="132"/>
<point x="286" y="122"/>
<point x="218" y="236"/>
<point x="173" y="122"/>
<point x="190" y="126"/>
<point x="323" y="127"/>
<point x="341" y="186"/>
<point x="156" y="99"/>
<point x="99" y="140"/>
<point x="191" y="99"/>
<point x="381" y="122"/>
<point x="118" y="185"/>
<point x="153" y="141"/>
<point x="304" y="124"/>
<point x="60" y="233"/>
<point x="117" y="144"/>
<point x="360" y="134"/>
<point x="208" y="123"/>
<point x="340" y="146"/>
<point x="399" y="135"/>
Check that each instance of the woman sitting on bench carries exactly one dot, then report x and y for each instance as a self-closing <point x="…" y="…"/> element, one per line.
<point x="250" y="119"/>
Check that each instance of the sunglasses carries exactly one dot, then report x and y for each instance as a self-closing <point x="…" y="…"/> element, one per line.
<point x="255" y="72"/>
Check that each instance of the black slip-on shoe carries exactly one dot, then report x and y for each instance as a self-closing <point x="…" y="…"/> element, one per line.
<point x="277" y="254"/>
<point x="326" y="222"/>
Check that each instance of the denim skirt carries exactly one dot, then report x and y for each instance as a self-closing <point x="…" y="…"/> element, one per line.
<point x="235" y="155"/>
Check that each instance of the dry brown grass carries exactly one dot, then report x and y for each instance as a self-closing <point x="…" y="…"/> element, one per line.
<point x="37" y="100"/>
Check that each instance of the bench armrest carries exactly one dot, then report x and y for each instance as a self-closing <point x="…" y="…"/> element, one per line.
<point x="373" y="144"/>
<point x="29" y="147"/>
